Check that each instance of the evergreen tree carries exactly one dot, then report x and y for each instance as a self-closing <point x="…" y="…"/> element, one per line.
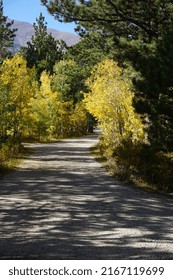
<point x="7" y="35"/>
<point x="154" y="97"/>
<point x="140" y="19"/>
<point x="43" y="50"/>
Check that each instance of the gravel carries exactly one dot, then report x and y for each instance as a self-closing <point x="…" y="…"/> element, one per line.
<point x="62" y="204"/>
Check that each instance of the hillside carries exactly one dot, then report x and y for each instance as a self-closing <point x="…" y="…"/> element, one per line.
<point x="26" y="30"/>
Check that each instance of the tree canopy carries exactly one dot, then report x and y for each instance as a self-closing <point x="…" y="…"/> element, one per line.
<point x="68" y="80"/>
<point x="110" y="101"/>
<point x="140" y="37"/>
<point x="128" y="18"/>
<point x="17" y="87"/>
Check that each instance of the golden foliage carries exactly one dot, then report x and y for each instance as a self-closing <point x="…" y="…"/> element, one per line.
<point x="17" y="88"/>
<point x="110" y="101"/>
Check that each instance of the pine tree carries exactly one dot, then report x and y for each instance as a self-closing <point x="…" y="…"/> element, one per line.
<point x="7" y="35"/>
<point x="154" y="97"/>
<point x="42" y="51"/>
<point x="140" y="19"/>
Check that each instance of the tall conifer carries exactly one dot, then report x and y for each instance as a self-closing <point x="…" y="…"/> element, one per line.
<point x="7" y="35"/>
<point x="43" y="50"/>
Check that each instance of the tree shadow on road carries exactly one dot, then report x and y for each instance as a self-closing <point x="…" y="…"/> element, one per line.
<point x="80" y="212"/>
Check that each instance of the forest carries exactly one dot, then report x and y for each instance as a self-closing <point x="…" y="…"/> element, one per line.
<point x="118" y="77"/>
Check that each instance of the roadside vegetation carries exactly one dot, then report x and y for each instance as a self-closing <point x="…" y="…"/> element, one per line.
<point x="119" y="77"/>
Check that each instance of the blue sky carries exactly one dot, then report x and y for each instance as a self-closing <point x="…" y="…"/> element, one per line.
<point x="29" y="10"/>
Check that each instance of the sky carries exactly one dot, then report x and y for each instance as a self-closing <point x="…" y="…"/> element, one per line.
<point x="29" y="10"/>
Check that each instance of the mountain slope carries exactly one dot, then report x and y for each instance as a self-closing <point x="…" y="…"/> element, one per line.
<point x="26" y="30"/>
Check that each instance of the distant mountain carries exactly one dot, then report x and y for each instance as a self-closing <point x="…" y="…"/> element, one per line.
<point x="26" y="30"/>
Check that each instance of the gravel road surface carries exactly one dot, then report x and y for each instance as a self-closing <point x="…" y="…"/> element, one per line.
<point x="62" y="204"/>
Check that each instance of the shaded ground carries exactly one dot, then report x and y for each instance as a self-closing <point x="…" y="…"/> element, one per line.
<point x="61" y="204"/>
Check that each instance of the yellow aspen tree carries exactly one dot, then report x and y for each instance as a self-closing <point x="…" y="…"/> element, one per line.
<point x="44" y="107"/>
<point x="17" y="82"/>
<point x="63" y="121"/>
<point x="51" y="115"/>
<point x="110" y="102"/>
<point x="79" y="119"/>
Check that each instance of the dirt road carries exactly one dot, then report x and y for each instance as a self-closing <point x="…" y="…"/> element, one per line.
<point x="62" y="204"/>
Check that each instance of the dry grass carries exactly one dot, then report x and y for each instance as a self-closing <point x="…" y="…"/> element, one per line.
<point x="11" y="157"/>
